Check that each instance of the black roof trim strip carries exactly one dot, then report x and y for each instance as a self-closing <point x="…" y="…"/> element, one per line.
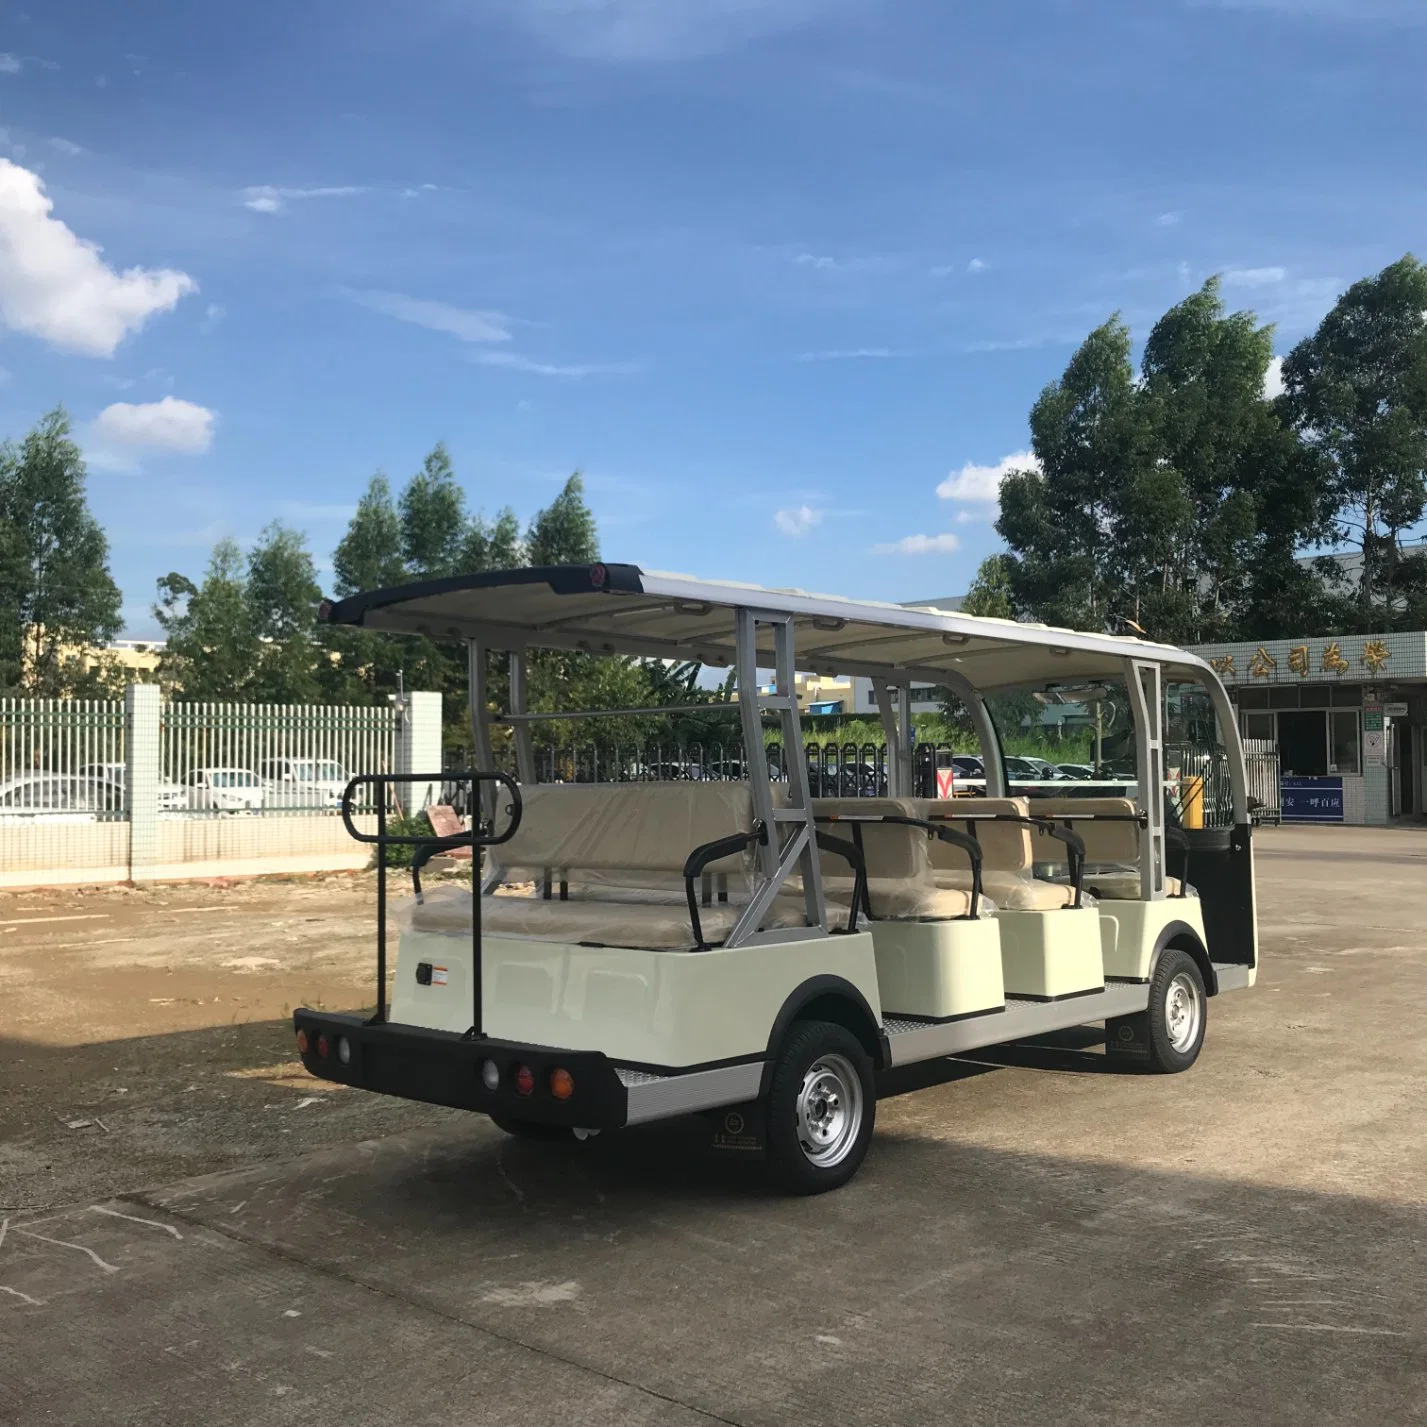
<point x="562" y="579"/>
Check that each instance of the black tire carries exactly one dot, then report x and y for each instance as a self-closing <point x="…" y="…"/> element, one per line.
<point x="843" y="1087"/>
<point x="1178" y="1013"/>
<point x="531" y="1130"/>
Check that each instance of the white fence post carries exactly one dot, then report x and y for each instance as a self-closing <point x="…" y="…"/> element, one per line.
<point x="143" y="709"/>
<point x="418" y="750"/>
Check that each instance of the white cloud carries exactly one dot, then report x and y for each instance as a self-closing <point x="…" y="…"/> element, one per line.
<point x="797" y="520"/>
<point x="264" y="198"/>
<point x="946" y="544"/>
<point x="1254" y="277"/>
<point x="820" y="262"/>
<point x="9" y="64"/>
<point x="55" y="285"/>
<point x="513" y="361"/>
<point x="1273" y="379"/>
<point x="169" y="425"/>
<point x="634" y="31"/>
<point x="983" y="483"/>
<point x="976" y="265"/>
<point x="467" y="324"/>
<point x="1168" y="220"/>
<point x="66" y="146"/>
<point x="847" y="354"/>
<point x="212" y="316"/>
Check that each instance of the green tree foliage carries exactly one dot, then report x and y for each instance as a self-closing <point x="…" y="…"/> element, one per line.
<point x="1063" y="522"/>
<point x="211" y="646"/>
<point x="1173" y="500"/>
<point x="990" y="592"/>
<point x="433" y="518"/>
<point x="564" y="532"/>
<point x="1357" y="393"/>
<point x="282" y="595"/>
<point x="57" y="597"/>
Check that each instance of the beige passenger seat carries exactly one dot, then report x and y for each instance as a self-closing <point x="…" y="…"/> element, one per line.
<point x="1110" y="830"/>
<point x="901" y="883"/>
<point x="606" y="863"/>
<point x="1008" y="851"/>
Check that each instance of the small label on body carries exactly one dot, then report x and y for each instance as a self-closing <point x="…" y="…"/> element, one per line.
<point x="438" y="976"/>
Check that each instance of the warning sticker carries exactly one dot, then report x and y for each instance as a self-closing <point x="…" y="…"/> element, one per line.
<point x="438" y="976"/>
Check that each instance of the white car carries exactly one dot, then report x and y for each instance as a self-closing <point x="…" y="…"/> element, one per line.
<point x="172" y="797"/>
<point x="304" y="782"/>
<point x="224" y="790"/>
<point x="59" y="797"/>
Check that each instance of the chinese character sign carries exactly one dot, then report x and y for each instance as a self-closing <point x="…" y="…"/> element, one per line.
<point x="1333" y="661"/>
<point x="1298" y="659"/>
<point x="1263" y="664"/>
<point x="1375" y="655"/>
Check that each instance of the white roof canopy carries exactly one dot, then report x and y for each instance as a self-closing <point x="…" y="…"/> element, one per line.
<point x="621" y="609"/>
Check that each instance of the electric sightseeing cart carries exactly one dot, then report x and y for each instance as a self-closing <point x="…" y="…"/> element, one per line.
<point x="630" y="952"/>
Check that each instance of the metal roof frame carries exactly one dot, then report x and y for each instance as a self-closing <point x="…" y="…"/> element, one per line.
<point x="622" y="609"/>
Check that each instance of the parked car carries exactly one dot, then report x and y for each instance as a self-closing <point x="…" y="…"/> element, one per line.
<point x="172" y="797"/>
<point x="1076" y="770"/>
<point x="225" y="790"/>
<point x="59" y="797"/>
<point x="303" y="782"/>
<point x="1021" y="769"/>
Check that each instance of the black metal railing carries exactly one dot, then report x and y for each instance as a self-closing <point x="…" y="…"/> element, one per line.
<point x="481" y="833"/>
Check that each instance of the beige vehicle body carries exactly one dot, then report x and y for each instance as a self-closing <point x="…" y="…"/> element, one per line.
<point x="658" y="942"/>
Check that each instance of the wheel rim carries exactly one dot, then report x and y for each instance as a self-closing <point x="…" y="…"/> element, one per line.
<point x="829" y="1110"/>
<point x="1183" y="1011"/>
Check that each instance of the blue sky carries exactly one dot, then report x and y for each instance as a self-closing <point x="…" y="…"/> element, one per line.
<point x="773" y="273"/>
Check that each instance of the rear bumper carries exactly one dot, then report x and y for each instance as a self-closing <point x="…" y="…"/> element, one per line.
<point x="443" y="1068"/>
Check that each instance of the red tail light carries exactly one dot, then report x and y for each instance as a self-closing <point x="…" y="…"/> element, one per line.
<point x="524" y="1080"/>
<point x="324" y="1047"/>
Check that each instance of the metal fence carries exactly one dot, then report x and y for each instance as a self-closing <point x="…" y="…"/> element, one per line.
<point x="268" y="758"/>
<point x="62" y="756"/>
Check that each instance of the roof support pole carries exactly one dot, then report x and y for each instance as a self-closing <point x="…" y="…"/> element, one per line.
<point x="894" y="705"/>
<point x="986" y="735"/>
<point x="479" y="707"/>
<point x="798" y="850"/>
<point x="1147" y="705"/>
<point x="524" y="743"/>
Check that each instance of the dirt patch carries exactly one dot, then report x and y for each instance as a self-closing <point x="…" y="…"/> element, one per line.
<point x="146" y="1033"/>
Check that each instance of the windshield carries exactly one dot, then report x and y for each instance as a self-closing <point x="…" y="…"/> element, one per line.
<point x="319" y="772"/>
<point x="233" y="778"/>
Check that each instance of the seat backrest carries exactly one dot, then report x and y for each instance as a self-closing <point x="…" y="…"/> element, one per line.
<point x="636" y="834"/>
<point x="1005" y="846"/>
<point x="1112" y="842"/>
<point x="893" y="852"/>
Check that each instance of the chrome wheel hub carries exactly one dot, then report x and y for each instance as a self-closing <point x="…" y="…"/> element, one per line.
<point x="1183" y="1012"/>
<point x="829" y="1110"/>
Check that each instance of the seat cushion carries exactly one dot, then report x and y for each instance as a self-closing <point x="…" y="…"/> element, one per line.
<point x="647" y="924"/>
<point x="1124" y="886"/>
<point x="1014" y="892"/>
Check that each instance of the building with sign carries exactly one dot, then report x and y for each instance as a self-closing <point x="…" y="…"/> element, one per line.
<point x="1346" y="714"/>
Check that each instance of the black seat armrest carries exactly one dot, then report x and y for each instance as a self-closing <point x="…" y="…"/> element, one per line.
<point x="1074" y="852"/>
<point x="701" y="857"/>
<point x="852" y="854"/>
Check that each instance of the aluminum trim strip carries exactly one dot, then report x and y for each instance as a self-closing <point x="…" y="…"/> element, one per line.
<point x="663" y="1096"/>
<point x="1231" y="977"/>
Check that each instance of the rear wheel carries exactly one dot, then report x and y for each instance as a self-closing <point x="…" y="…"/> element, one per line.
<point x="821" y="1108"/>
<point x="530" y="1129"/>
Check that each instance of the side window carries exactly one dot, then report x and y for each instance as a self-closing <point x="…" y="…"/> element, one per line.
<point x="1196" y="757"/>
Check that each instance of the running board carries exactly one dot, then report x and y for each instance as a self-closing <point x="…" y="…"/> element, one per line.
<point x="912" y="1041"/>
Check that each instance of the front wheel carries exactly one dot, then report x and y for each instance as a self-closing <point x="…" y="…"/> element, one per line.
<point x="1178" y="1013"/>
<point x="822" y="1105"/>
